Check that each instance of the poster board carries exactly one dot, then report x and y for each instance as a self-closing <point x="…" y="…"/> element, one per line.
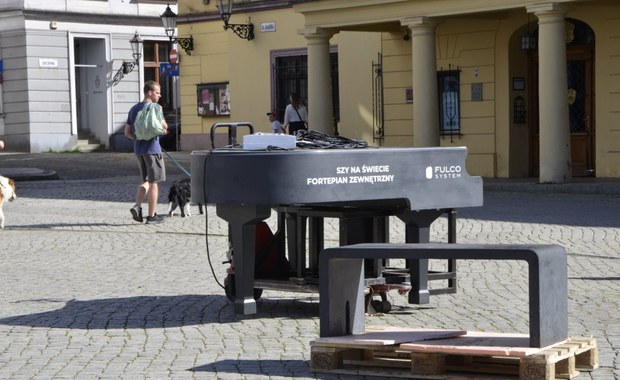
<point x="213" y="99"/>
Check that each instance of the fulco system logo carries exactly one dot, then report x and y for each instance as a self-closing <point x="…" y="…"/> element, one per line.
<point x="444" y="172"/>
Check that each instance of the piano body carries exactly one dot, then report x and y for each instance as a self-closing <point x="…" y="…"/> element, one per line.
<point x="362" y="187"/>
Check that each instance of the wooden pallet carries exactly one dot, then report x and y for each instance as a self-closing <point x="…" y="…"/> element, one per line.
<point x="454" y="358"/>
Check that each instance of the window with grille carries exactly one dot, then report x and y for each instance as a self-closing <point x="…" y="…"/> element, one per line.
<point x="449" y="101"/>
<point x="290" y="74"/>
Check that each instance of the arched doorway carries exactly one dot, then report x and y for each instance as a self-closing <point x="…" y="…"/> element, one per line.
<point x="580" y="96"/>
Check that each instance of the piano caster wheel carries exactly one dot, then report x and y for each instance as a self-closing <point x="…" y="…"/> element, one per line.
<point x="229" y="289"/>
<point x="381" y="306"/>
<point x="387" y="306"/>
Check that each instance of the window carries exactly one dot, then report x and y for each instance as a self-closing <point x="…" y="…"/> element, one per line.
<point x="449" y="97"/>
<point x="156" y="52"/>
<point x="290" y="69"/>
<point x="291" y="76"/>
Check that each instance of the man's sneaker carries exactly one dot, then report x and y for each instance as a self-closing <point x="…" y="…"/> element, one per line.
<point x="154" y="219"/>
<point x="136" y="212"/>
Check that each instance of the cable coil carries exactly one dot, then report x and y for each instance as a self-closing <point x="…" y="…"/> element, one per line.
<point x="318" y="140"/>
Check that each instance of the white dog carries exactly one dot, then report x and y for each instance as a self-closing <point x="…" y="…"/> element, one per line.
<point x="7" y="192"/>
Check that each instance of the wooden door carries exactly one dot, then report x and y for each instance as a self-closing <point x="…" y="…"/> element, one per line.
<point x="580" y="97"/>
<point x="580" y="109"/>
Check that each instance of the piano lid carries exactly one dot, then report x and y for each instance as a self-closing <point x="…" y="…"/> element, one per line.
<point x="423" y="178"/>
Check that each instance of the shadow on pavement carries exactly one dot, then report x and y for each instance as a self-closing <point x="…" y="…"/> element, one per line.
<point x="47" y="226"/>
<point x="130" y="313"/>
<point x="112" y="189"/>
<point x="144" y="312"/>
<point x="595" y="278"/>
<point x="74" y="166"/>
<point x="300" y="307"/>
<point x="284" y="368"/>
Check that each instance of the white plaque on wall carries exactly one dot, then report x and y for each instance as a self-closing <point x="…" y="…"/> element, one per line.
<point x="266" y="27"/>
<point x="48" y="62"/>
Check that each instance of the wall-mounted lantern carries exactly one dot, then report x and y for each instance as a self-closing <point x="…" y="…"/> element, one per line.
<point x="245" y="31"/>
<point x="169" y="19"/>
<point x="127" y="67"/>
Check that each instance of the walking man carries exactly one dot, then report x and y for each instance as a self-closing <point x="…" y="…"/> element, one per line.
<point x="149" y="155"/>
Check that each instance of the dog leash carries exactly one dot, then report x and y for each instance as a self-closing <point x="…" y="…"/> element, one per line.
<point x="177" y="163"/>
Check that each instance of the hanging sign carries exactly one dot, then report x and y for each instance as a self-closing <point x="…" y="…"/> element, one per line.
<point x="168" y="69"/>
<point x="174" y="56"/>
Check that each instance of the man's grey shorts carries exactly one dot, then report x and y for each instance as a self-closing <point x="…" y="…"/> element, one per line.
<point x="152" y="167"/>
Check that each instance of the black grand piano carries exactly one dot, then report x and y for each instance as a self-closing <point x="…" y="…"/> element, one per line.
<point x="361" y="187"/>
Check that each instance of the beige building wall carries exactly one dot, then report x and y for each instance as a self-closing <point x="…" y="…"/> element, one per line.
<point x="396" y="81"/>
<point x="485" y="47"/>
<point x="514" y="151"/>
<point x="487" y="51"/>
<point x="606" y="24"/>
<point x="469" y="46"/>
<point x="356" y="53"/>
<point x="221" y="56"/>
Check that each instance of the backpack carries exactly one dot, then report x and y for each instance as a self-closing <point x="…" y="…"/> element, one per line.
<point x="148" y="123"/>
<point x="269" y="261"/>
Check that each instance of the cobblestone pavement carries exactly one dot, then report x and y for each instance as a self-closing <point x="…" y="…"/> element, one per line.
<point x="87" y="293"/>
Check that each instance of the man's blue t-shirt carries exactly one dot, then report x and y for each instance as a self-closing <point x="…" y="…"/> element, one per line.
<point x="141" y="147"/>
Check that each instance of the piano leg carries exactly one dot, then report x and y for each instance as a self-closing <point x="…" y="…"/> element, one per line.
<point x="242" y="220"/>
<point x="296" y="238"/>
<point x="417" y="230"/>
<point x="316" y="242"/>
<point x="452" y="240"/>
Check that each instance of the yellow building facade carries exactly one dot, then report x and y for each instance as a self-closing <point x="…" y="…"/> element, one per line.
<point x="531" y="88"/>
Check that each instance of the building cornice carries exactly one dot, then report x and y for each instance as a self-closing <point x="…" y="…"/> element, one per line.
<point x="248" y="7"/>
<point x="92" y="18"/>
<point x="343" y="14"/>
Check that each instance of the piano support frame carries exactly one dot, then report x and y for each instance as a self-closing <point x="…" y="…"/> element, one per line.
<point x="362" y="187"/>
<point x="356" y="226"/>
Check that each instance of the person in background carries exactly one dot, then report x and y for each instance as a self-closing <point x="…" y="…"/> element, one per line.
<point x="276" y="126"/>
<point x="295" y="116"/>
<point x="1" y="144"/>
<point x="150" y="158"/>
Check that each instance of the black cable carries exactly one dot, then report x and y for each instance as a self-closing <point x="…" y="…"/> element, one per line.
<point x="311" y="139"/>
<point x="272" y="147"/>
<point x="318" y="140"/>
<point x="204" y="186"/>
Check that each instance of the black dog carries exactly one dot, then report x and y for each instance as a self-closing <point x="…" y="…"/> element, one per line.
<point x="180" y="196"/>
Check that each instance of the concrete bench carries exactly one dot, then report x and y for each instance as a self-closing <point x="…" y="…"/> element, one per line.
<point x="342" y="282"/>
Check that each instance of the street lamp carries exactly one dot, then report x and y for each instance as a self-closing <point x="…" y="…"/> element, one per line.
<point x="127" y="67"/>
<point x="169" y="19"/>
<point x="245" y="31"/>
<point x="136" y="49"/>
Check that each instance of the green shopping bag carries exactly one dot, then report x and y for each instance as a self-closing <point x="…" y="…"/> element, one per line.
<point x="148" y="123"/>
